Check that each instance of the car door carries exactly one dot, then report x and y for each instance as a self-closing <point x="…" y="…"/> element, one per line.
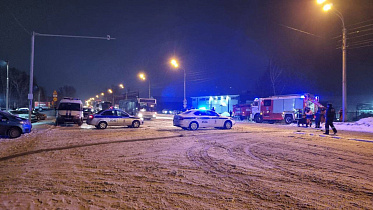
<point x="109" y="117"/>
<point x="202" y="118"/>
<point x="4" y="124"/>
<point x="126" y="120"/>
<point x="214" y="120"/>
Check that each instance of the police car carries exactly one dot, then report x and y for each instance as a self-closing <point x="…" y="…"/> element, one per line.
<point x="196" y="118"/>
<point x="113" y="117"/>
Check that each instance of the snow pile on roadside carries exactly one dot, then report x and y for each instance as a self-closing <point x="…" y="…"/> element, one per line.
<point x="363" y="125"/>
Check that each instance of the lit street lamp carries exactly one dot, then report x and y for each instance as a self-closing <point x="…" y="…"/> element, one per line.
<point x="143" y="77"/>
<point x="175" y="64"/>
<point x="7" y="83"/>
<point x="326" y="8"/>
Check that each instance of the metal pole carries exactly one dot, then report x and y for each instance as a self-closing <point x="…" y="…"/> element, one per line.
<point x="344" y="85"/>
<point x="30" y="95"/>
<point x="39" y="98"/>
<point x="7" y="86"/>
<point x="149" y="88"/>
<point x="185" y="101"/>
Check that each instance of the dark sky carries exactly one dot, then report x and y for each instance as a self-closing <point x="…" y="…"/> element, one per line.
<point x="224" y="46"/>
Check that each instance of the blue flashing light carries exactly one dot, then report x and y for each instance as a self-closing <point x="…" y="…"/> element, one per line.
<point x="302" y="96"/>
<point x="202" y="108"/>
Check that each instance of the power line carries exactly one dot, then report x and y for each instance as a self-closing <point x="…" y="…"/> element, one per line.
<point x="369" y="45"/>
<point x="361" y="31"/>
<point x="298" y="30"/>
<point x="18" y="22"/>
<point x="356" y="42"/>
<point x="364" y="26"/>
<point x="360" y="22"/>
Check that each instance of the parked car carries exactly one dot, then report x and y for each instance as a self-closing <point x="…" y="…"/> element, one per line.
<point x="86" y="113"/>
<point x="39" y="115"/>
<point x="13" y="126"/>
<point x="113" y="117"/>
<point x="196" y="118"/>
<point x="23" y="114"/>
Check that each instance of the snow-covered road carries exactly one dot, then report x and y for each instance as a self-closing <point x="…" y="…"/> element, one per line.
<point x="255" y="166"/>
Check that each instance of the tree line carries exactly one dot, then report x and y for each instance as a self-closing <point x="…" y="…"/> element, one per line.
<point x="19" y="88"/>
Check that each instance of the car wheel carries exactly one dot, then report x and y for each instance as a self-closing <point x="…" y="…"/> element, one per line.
<point x="80" y="122"/>
<point x="228" y="125"/>
<point x="258" y="118"/>
<point x="14" y="132"/>
<point x="288" y="119"/>
<point x="135" y="124"/>
<point x="102" y="125"/>
<point x="193" y="126"/>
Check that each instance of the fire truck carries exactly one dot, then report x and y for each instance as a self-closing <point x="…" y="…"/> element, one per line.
<point x="242" y="111"/>
<point x="283" y="107"/>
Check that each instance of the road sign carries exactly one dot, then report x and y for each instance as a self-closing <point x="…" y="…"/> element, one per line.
<point x="54" y="99"/>
<point x="54" y="94"/>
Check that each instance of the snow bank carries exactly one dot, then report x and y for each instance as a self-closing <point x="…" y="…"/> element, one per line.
<point x="363" y="125"/>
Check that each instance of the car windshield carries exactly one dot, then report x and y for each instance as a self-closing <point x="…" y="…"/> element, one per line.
<point x="69" y="106"/>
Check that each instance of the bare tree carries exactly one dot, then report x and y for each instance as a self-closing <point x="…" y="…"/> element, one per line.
<point x="275" y="72"/>
<point x="66" y="91"/>
<point x="19" y="82"/>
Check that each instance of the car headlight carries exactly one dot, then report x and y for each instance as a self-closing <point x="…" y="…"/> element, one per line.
<point x="23" y="122"/>
<point x="154" y="115"/>
<point x="140" y="115"/>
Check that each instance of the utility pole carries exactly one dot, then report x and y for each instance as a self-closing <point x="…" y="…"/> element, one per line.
<point x="33" y="34"/>
<point x="7" y="86"/>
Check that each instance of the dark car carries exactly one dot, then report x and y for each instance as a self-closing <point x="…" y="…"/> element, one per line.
<point x="39" y="116"/>
<point x="86" y="113"/>
<point x="13" y="126"/>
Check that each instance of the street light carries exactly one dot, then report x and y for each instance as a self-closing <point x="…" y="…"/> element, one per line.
<point x="111" y="92"/>
<point x="175" y="64"/>
<point x="7" y="83"/>
<point x="326" y="8"/>
<point x="143" y="77"/>
<point x="121" y="86"/>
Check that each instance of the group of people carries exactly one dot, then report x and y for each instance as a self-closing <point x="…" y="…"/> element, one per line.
<point x="322" y="115"/>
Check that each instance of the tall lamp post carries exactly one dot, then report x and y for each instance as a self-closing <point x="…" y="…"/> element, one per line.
<point x="7" y="83"/>
<point x="30" y="96"/>
<point x="326" y="8"/>
<point x="175" y="64"/>
<point x="111" y="92"/>
<point x="143" y="77"/>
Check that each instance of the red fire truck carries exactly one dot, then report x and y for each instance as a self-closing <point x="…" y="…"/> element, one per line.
<point x="283" y="107"/>
<point x="242" y="111"/>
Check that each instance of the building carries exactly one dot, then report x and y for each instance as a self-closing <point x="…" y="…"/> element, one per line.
<point x="222" y="103"/>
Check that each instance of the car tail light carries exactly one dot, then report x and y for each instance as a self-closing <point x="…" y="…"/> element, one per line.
<point x="90" y="117"/>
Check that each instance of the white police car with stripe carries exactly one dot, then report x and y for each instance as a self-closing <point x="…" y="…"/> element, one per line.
<point x="113" y="117"/>
<point x="196" y="118"/>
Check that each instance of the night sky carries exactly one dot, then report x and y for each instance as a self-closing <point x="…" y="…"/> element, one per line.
<point x="224" y="46"/>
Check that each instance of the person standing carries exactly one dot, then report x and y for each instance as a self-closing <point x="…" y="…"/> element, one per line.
<point x="330" y="115"/>
<point x="309" y="116"/>
<point x="341" y="115"/>
<point x="318" y="118"/>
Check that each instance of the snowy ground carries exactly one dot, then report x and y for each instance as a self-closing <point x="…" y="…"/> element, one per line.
<point x="252" y="166"/>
